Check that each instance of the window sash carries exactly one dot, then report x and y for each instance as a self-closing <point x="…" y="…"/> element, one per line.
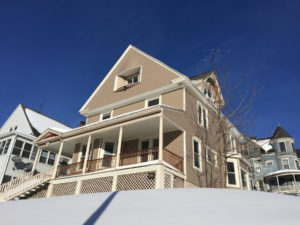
<point x="231" y="173"/>
<point x="153" y="102"/>
<point x="43" y="156"/>
<point x="18" y="147"/>
<point x="282" y="146"/>
<point x="197" y="162"/>
<point x="106" y="116"/>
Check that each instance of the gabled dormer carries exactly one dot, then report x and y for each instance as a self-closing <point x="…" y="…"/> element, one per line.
<point x="208" y="84"/>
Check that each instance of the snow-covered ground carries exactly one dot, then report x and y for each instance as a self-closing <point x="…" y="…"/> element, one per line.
<point x="158" y="207"/>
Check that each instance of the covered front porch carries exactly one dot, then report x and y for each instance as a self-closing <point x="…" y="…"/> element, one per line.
<point x="154" y="140"/>
<point x="283" y="181"/>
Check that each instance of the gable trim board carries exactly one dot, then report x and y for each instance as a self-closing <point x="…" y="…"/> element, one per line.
<point x="82" y="110"/>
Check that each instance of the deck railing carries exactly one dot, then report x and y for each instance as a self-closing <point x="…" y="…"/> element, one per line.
<point x="130" y="158"/>
<point x="92" y="166"/>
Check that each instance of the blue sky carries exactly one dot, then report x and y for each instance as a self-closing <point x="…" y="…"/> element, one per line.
<point x="55" y="53"/>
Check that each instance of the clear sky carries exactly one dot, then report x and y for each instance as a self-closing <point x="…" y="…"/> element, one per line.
<point x="53" y="54"/>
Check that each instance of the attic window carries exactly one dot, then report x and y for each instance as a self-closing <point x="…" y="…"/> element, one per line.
<point x="128" y="79"/>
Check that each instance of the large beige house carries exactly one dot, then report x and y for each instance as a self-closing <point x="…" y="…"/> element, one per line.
<point x="147" y="126"/>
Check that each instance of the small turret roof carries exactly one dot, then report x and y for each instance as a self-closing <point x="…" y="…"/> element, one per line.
<point x="281" y="133"/>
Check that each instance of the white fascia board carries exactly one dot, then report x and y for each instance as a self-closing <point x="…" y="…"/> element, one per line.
<point x="134" y="99"/>
<point x="81" y="111"/>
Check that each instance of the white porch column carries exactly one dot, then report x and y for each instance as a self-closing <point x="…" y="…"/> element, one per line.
<point x="87" y="152"/>
<point x="119" y="147"/>
<point x="278" y="183"/>
<point x="161" y="141"/>
<point x="57" y="159"/>
<point x="36" y="159"/>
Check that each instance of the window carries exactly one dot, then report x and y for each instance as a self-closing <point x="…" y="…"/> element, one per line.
<point x="282" y="147"/>
<point x="43" y="156"/>
<point x="145" y="144"/>
<point x="231" y="173"/>
<point x="261" y="185"/>
<point x="293" y="147"/>
<point x="51" y="158"/>
<point x="155" y="143"/>
<point x="269" y="163"/>
<point x="153" y="102"/>
<point x="244" y="179"/>
<point x="202" y="116"/>
<point x="257" y="167"/>
<point x="128" y="79"/>
<point x="18" y="147"/>
<point x="285" y="164"/>
<point x="33" y="154"/>
<point x="6" y="146"/>
<point x="1" y="147"/>
<point x="297" y="164"/>
<point x="26" y="150"/>
<point x="106" y="116"/>
<point x="133" y="79"/>
<point x="197" y="154"/>
<point x="6" y="179"/>
<point x="83" y="152"/>
<point x="211" y="156"/>
<point x="109" y="148"/>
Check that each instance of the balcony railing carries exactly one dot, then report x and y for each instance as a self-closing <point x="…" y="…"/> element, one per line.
<point x="141" y="156"/>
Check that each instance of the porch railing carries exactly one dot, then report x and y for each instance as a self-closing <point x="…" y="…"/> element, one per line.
<point x="145" y="155"/>
<point x="92" y="166"/>
<point x="140" y="156"/>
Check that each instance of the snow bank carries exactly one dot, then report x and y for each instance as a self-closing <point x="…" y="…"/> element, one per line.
<point x="165" y="206"/>
<point x="41" y="122"/>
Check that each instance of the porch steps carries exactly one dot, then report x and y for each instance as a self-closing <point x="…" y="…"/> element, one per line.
<point x="26" y="186"/>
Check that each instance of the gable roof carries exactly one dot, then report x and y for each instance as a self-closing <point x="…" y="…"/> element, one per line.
<point x="202" y="76"/>
<point x="281" y="133"/>
<point x="130" y="47"/>
<point x="39" y="122"/>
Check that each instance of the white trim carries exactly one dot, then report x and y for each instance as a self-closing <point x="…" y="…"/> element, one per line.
<point x="200" y="153"/>
<point x="215" y="156"/>
<point x="134" y="99"/>
<point x="202" y="116"/>
<point x="236" y="173"/>
<point x="105" y="78"/>
<point x="184" y="153"/>
<point x="288" y="163"/>
<point x="184" y="99"/>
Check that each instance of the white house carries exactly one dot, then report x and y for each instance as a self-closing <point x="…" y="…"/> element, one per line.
<point x="17" y="152"/>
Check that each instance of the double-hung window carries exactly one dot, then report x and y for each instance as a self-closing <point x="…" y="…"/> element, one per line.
<point x="197" y="154"/>
<point x="202" y="116"/>
<point x="231" y="173"/>
<point x="18" y="148"/>
<point x="285" y="164"/>
<point x="26" y="151"/>
<point x="282" y="147"/>
<point x="43" y="156"/>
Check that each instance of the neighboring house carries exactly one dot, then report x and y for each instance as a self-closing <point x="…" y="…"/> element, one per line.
<point x="17" y="152"/>
<point x="147" y="126"/>
<point x="275" y="165"/>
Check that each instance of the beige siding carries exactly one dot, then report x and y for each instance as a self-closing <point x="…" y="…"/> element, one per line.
<point x="173" y="99"/>
<point x="93" y="119"/>
<point x="153" y="76"/>
<point x="188" y="122"/>
<point x="130" y="146"/>
<point x="173" y="142"/>
<point x="129" y="108"/>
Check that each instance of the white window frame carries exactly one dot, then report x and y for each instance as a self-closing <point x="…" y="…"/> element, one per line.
<point x="285" y="149"/>
<point x="268" y="161"/>
<point x="215" y="156"/>
<point x="236" y="172"/>
<point x="200" y="153"/>
<point x="247" y="179"/>
<point x="202" y="116"/>
<point x="288" y="163"/>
